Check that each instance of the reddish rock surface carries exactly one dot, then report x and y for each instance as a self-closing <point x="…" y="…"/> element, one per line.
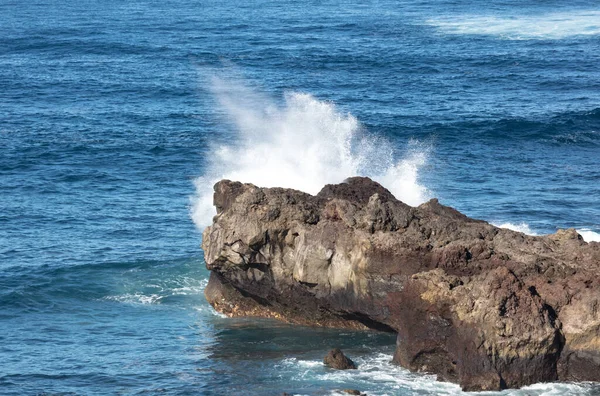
<point x="486" y="307"/>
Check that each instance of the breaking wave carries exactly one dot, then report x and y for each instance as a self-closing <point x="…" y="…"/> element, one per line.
<point x="303" y="144"/>
<point x="521" y="227"/>
<point x="587" y="234"/>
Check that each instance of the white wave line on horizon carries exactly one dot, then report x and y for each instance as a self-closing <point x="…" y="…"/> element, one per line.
<point x="521" y="27"/>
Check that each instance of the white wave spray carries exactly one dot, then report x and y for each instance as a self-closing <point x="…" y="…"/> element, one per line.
<point x="589" y="235"/>
<point x="304" y="144"/>
<point x="521" y="227"/>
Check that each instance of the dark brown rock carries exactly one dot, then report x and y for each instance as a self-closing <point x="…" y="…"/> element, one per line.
<point x="486" y="307"/>
<point x="337" y="360"/>
<point x="355" y="392"/>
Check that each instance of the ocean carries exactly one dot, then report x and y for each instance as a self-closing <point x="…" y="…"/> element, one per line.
<point x="116" y="117"/>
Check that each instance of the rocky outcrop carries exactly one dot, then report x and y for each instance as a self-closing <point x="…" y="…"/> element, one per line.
<point x="337" y="360"/>
<point x="486" y="307"/>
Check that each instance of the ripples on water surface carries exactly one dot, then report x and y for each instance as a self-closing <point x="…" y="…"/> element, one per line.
<point x="116" y="117"/>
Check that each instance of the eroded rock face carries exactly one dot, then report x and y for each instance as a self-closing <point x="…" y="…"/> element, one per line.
<point x="488" y="308"/>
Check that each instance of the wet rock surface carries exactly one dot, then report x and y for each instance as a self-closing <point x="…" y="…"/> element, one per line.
<point x="337" y="360"/>
<point x="486" y="307"/>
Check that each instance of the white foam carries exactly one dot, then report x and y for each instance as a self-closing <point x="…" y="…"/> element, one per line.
<point x="551" y="389"/>
<point x="556" y="25"/>
<point x="302" y="363"/>
<point x="155" y="293"/>
<point x="136" y="298"/>
<point x="378" y="372"/>
<point x="191" y="287"/>
<point x="206" y="308"/>
<point x="589" y="235"/>
<point x="521" y="227"/>
<point x="376" y="375"/>
<point x="304" y="144"/>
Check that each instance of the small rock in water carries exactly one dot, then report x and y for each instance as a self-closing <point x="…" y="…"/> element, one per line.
<point x="337" y="360"/>
<point x="353" y="392"/>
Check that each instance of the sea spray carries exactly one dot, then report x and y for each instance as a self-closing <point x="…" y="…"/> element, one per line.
<point x="303" y="144"/>
<point x="589" y="235"/>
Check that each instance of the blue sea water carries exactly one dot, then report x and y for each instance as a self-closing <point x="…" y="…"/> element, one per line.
<point x="116" y="117"/>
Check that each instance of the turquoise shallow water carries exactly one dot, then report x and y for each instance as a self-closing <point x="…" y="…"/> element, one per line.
<point x="116" y="117"/>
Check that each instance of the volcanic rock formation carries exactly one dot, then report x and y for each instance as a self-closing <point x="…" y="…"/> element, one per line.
<point x="486" y="307"/>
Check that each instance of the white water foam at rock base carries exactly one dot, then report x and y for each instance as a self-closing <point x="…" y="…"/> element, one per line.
<point x="521" y="227"/>
<point x="378" y="376"/>
<point x="587" y="234"/>
<point x="303" y="144"/>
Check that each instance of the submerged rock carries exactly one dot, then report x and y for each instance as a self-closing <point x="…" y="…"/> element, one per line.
<point x="337" y="360"/>
<point x="486" y="307"/>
